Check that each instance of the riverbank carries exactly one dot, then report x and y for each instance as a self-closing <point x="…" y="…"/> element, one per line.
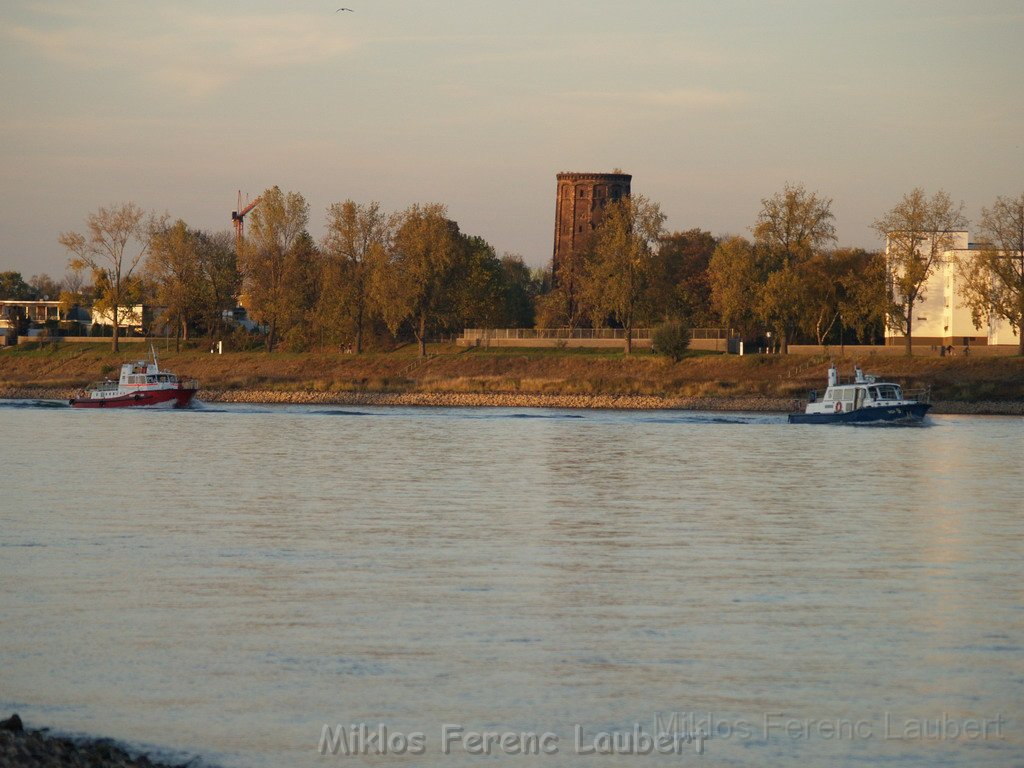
<point x="23" y="748"/>
<point x="452" y="376"/>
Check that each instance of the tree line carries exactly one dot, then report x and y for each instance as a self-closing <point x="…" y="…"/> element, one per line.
<point x="378" y="278"/>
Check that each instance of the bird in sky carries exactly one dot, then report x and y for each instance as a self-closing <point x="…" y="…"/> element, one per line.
<point x="344" y="9"/>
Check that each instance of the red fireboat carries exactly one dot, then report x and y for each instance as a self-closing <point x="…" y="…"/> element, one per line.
<point x="142" y="384"/>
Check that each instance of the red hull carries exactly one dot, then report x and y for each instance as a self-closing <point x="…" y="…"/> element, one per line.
<point x="173" y="398"/>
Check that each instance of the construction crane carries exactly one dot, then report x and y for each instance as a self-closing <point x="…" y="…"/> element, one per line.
<point x="238" y="217"/>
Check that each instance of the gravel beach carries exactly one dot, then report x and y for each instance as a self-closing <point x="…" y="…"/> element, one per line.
<point x="523" y="400"/>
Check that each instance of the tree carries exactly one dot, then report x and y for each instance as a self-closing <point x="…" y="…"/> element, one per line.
<point x="411" y="280"/>
<point x="116" y="241"/>
<point x="560" y="305"/>
<point x="680" y="287"/>
<point x="218" y="266"/>
<point x="13" y="286"/>
<point x="521" y="286"/>
<point x="821" y="287"/>
<point x="671" y="339"/>
<point x="476" y="294"/>
<point x="735" y="278"/>
<point x="993" y="277"/>
<point x="783" y="302"/>
<point x="620" y="262"/>
<point x="918" y="231"/>
<point x="861" y="295"/>
<point x="273" y="263"/>
<point x="357" y="237"/>
<point x="45" y="287"/>
<point x="173" y="263"/>
<point x="793" y="227"/>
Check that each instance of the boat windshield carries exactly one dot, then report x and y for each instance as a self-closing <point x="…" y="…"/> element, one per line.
<point x="886" y="392"/>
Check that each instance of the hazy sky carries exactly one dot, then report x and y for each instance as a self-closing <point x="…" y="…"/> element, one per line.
<point x="477" y="104"/>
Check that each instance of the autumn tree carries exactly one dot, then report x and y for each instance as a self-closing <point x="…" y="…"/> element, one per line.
<point x="793" y="226"/>
<point x="560" y="304"/>
<point x="274" y="261"/>
<point x="620" y="262"/>
<point x="173" y="263"/>
<point x="358" y="236"/>
<point x="992" y="277"/>
<point x="918" y="230"/>
<point x="116" y="241"/>
<point x="735" y="279"/>
<point x="410" y="282"/>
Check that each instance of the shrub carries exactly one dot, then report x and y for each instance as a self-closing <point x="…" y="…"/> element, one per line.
<point x="671" y="339"/>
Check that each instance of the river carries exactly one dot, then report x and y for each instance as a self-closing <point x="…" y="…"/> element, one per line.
<point x="227" y="581"/>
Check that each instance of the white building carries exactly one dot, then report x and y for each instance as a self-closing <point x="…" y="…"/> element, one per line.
<point x="942" y="317"/>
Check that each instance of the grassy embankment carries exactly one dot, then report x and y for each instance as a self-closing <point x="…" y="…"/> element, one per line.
<point x="55" y="371"/>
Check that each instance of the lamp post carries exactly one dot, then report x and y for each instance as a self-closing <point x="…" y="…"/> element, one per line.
<point x="769" y="347"/>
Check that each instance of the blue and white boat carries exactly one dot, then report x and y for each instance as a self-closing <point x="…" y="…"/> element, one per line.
<point x="862" y="401"/>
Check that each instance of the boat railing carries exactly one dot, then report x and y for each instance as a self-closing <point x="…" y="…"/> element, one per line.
<point x="105" y="386"/>
<point x="922" y="395"/>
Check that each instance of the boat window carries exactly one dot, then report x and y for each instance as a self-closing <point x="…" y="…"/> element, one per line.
<point x="151" y="378"/>
<point x="889" y="393"/>
<point x="163" y="377"/>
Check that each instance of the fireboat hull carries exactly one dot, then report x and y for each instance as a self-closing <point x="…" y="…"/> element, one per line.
<point x="165" y="398"/>
<point x="911" y="413"/>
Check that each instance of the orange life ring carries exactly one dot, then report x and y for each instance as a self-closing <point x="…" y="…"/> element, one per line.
<point x="839" y="406"/>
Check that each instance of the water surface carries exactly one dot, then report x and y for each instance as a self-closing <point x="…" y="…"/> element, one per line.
<point x="227" y="580"/>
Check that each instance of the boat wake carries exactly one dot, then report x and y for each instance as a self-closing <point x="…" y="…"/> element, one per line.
<point x="34" y="404"/>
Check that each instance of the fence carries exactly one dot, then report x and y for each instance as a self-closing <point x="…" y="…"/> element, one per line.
<point x="709" y="338"/>
<point x="555" y="334"/>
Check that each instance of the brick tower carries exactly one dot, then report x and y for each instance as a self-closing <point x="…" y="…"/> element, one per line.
<point x="581" y="198"/>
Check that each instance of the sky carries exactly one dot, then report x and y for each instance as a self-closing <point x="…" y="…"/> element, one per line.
<point x="477" y="104"/>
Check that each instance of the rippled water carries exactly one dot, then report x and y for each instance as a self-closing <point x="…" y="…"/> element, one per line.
<point x="226" y="581"/>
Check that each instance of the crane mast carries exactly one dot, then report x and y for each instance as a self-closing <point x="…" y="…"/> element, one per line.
<point x="238" y="217"/>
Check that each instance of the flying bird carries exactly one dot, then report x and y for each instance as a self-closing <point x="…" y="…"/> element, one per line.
<point x="344" y="9"/>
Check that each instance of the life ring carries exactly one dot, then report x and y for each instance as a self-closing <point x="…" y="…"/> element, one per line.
<point x="839" y="406"/>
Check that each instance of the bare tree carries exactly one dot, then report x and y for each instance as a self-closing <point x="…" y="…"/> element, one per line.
<point x="116" y="241"/>
<point x="918" y="231"/>
<point x="993" y="277"/>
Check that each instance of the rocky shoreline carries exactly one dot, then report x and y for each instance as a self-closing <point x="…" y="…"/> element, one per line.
<point x="523" y="400"/>
<point x="22" y="748"/>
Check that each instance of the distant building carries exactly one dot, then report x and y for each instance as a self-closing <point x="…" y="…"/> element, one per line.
<point x="579" y="203"/>
<point x="942" y="317"/>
